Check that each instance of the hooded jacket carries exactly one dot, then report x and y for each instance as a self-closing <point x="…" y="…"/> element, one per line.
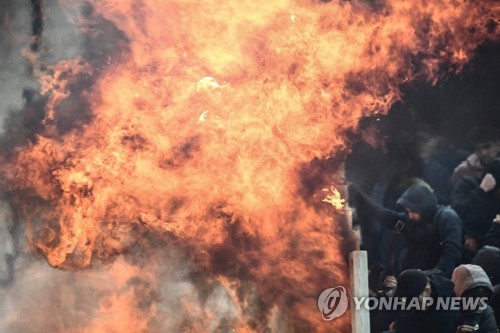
<point x="476" y="208"/>
<point x="431" y="320"/>
<point x="434" y="242"/>
<point x="488" y="258"/>
<point x="467" y="278"/>
<point x="421" y="199"/>
<point x="493" y="236"/>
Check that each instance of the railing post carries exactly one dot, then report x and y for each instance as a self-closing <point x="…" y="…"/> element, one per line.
<point x="358" y="276"/>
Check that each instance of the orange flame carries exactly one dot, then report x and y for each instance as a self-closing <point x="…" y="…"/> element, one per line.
<point x="200" y="131"/>
<point x="334" y="198"/>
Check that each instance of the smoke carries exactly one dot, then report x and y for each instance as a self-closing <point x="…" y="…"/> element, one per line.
<point x="15" y="75"/>
<point x="34" y="297"/>
<point x="7" y="245"/>
<point x="34" y="34"/>
<point x="153" y="296"/>
<point x="22" y="41"/>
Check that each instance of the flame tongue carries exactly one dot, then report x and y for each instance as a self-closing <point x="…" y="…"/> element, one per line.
<point x="200" y="129"/>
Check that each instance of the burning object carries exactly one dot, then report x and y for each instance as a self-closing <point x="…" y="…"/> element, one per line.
<point x="122" y="169"/>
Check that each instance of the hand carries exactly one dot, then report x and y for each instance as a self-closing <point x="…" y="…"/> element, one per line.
<point x="471" y="243"/>
<point x="488" y="183"/>
<point x="390" y="283"/>
<point x="496" y="219"/>
<point x="392" y="326"/>
<point x="465" y="329"/>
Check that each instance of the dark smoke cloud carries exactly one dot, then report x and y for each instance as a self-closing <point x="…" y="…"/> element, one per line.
<point x="15" y="74"/>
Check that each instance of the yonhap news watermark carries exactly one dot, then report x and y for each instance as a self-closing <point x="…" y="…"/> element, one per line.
<point x="333" y="303"/>
<point x="420" y="303"/>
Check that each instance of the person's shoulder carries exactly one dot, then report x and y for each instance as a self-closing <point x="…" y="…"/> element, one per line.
<point x="489" y="310"/>
<point x="468" y="167"/>
<point x="467" y="182"/>
<point x="445" y="214"/>
<point x="443" y="287"/>
<point x="472" y="161"/>
<point x="445" y="210"/>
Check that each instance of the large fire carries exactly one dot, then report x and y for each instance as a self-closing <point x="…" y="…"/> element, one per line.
<point x="203" y="123"/>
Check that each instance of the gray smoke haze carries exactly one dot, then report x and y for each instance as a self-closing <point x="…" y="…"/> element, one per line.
<point x="7" y="247"/>
<point x="18" y="65"/>
<point x="58" y="41"/>
<point x="15" y="24"/>
<point x="157" y="291"/>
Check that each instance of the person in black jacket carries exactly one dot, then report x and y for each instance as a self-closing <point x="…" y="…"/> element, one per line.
<point x="488" y="257"/>
<point x="432" y="232"/>
<point x="477" y="202"/>
<point x="487" y="148"/>
<point x="426" y="319"/>
<point x="493" y="236"/>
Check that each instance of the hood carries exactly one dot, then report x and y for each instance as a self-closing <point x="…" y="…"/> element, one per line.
<point x="419" y="198"/>
<point x="488" y="257"/>
<point x="467" y="277"/>
<point x="441" y="286"/>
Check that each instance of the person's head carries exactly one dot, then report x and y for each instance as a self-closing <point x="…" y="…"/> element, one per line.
<point x="487" y="151"/>
<point x="414" y="283"/>
<point x="471" y="281"/>
<point x="419" y="202"/>
<point x="493" y="168"/>
<point x="486" y="141"/>
<point x="488" y="257"/>
<point x="413" y="215"/>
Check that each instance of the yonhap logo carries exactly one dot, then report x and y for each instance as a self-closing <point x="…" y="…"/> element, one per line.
<point x="332" y="303"/>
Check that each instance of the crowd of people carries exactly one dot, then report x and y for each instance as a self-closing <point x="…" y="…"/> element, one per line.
<point x="431" y="229"/>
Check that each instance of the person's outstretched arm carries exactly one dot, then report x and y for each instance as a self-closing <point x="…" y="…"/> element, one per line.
<point x="387" y="217"/>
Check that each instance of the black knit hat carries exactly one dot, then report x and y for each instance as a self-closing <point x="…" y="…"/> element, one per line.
<point x="411" y="283"/>
<point x="488" y="257"/>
